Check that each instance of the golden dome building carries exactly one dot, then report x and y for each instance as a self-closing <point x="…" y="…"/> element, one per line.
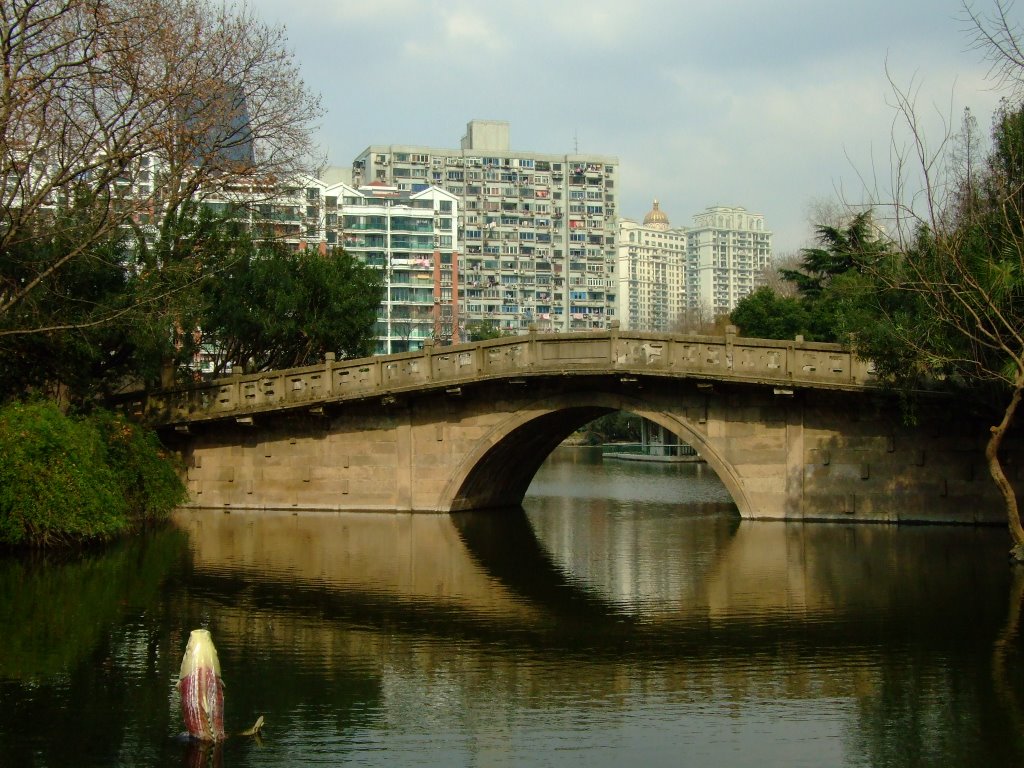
<point x="656" y="219"/>
<point x="682" y="278"/>
<point x="651" y="272"/>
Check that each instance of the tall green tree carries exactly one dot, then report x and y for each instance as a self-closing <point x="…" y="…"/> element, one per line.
<point x="764" y="314"/>
<point x="841" y="249"/>
<point x="831" y="288"/>
<point x="274" y="309"/>
<point x="959" y="277"/>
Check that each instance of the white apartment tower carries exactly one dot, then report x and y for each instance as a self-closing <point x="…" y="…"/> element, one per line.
<point x="665" y="272"/>
<point x="728" y="249"/>
<point x="537" y="231"/>
<point x="651" y="273"/>
<point x="411" y="238"/>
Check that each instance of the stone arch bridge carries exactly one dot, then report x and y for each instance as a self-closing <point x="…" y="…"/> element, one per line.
<point x="795" y="430"/>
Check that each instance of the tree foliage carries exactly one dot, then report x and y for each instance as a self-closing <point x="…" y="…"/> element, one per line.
<point x="964" y="268"/>
<point x="78" y="307"/>
<point x="842" y="249"/>
<point x="766" y="315"/>
<point x="216" y="293"/>
<point x="106" y="321"/>
<point x="618" y="426"/>
<point x="831" y="287"/>
<point x="482" y="330"/>
<point x="273" y="309"/>
<point x="950" y="296"/>
<point x="941" y="302"/>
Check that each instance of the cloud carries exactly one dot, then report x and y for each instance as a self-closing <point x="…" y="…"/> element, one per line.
<point x="458" y="33"/>
<point x="765" y="105"/>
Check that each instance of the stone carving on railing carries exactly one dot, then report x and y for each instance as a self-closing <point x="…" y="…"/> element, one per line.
<point x="728" y="358"/>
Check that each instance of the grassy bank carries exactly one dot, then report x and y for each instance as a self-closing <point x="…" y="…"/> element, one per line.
<point x="67" y="480"/>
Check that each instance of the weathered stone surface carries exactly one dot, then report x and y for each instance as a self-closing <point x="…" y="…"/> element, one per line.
<point x="781" y="467"/>
<point x="795" y="431"/>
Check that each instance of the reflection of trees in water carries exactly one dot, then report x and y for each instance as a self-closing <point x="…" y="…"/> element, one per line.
<point x="80" y="668"/>
<point x="53" y="609"/>
<point x="1007" y="655"/>
<point x="939" y="707"/>
<point x="947" y="685"/>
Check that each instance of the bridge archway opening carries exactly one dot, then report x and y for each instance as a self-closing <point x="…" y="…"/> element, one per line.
<point x="501" y="474"/>
<point x="499" y="471"/>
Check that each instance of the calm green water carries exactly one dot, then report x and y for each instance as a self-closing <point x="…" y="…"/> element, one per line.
<point x="624" y="617"/>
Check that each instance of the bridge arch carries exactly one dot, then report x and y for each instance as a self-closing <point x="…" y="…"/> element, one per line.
<point x="498" y="470"/>
<point x="795" y="430"/>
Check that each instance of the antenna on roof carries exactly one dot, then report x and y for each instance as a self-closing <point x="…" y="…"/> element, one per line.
<point x="575" y="142"/>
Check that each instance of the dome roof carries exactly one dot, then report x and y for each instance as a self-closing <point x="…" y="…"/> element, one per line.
<point x="657" y="218"/>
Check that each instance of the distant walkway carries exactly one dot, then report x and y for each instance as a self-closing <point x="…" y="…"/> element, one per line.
<point x="653" y="452"/>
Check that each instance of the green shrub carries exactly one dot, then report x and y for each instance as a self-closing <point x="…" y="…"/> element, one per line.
<point x="146" y="473"/>
<point x="66" y="480"/>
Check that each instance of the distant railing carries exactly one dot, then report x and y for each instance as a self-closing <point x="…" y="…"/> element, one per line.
<point x="648" y="449"/>
<point x="625" y="354"/>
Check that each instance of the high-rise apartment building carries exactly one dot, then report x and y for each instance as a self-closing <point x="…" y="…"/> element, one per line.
<point x="728" y="248"/>
<point x="537" y="231"/>
<point x="651" y="273"/>
<point x="411" y="238"/>
<point x="667" y="274"/>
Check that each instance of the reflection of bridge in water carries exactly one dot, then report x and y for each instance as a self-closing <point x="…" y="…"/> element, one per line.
<point x="463" y="571"/>
<point x="793" y="430"/>
<point x="774" y="611"/>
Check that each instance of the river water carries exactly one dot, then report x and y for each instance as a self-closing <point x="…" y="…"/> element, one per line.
<point x="623" y="616"/>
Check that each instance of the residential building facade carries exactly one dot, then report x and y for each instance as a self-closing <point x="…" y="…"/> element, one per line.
<point x="537" y="231"/>
<point x="728" y="249"/>
<point x="670" y="274"/>
<point x="651" y="273"/>
<point x="411" y="238"/>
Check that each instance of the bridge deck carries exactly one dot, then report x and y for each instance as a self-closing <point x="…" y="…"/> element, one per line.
<point x="786" y="364"/>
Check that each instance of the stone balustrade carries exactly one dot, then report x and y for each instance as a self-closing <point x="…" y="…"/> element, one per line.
<point x="783" y="364"/>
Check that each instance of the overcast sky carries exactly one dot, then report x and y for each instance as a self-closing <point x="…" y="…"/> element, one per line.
<point x="768" y="105"/>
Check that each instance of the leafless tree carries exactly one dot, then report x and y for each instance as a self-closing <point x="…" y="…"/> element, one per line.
<point x="825" y="212"/>
<point x="769" y="276"/>
<point x="121" y="111"/>
<point x="699" y="319"/>
<point x="997" y="36"/>
<point x="958" y="224"/>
